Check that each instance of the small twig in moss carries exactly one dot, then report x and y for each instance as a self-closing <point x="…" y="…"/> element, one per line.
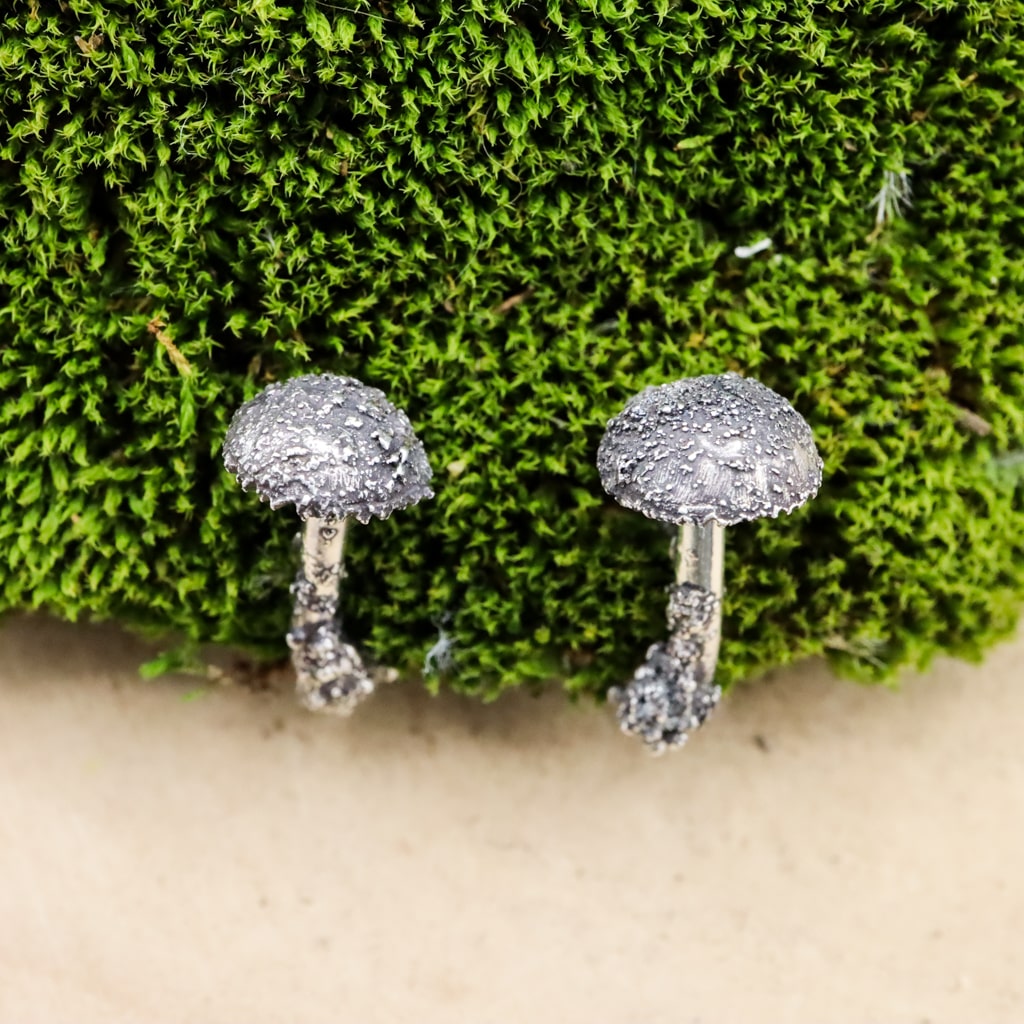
<point x="512" y="301"/>
<point x="156" y="328"/>
<point x="973" y="422"/>
<point x="865" y="648"/>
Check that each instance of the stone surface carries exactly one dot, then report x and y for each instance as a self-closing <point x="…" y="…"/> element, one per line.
<point x="179" y="851"/>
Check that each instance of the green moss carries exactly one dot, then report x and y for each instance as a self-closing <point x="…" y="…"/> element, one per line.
<point x="364" y="187"/>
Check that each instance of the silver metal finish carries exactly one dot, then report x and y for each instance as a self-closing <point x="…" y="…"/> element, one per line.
<point x="329" y="673"/>
<point x="669" y="696"/>
<point x="331" y="446"/>
<point x="337" y="450"/>
<point x="704" y="453"/>
<point x="719" y="448"/>
<point x="700" y="555"/>
<point x="700" y="561"/>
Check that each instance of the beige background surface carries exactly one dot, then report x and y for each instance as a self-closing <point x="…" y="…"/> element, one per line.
<point x="229" y="858"/>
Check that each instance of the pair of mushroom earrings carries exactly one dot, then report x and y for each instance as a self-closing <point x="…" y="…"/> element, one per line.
<point x="700" y="453"/>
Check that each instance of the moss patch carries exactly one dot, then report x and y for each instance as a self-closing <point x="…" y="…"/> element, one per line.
<point x="511" y="217"/>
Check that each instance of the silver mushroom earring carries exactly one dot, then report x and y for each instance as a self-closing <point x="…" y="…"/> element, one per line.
<point x="701" y="453"/>
<point x="338" y="450"/>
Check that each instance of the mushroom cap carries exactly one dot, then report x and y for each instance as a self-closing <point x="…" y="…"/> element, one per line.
<point x="330" y="445"/>
<point x="720" y="448"/>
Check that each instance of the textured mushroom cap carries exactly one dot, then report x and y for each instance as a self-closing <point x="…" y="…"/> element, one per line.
<point x="720" y="448"/>
<point x="331" y="446"/>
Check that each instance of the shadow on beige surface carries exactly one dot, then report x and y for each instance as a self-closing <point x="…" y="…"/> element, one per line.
<point x="821" y="852"/>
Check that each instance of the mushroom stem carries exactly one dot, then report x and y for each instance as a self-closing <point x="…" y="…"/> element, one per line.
<point x="330" y="675"/>
<point x="323" y="546"/>
<point x="700" y="562"/>
<point x="673" y="691"/>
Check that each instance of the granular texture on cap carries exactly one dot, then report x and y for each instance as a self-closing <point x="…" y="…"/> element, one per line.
<point x="330" y="445"/>
<point x="719" y="448"/>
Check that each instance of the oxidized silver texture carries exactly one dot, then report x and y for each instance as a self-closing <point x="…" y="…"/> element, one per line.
<point x="720" y="448"/>
<point x="667" y="698"/>
<point x="332" y="672"/>
<point x="334" y="448"/>
<point x="330" y="445"/>
<point x="329" y="672"/>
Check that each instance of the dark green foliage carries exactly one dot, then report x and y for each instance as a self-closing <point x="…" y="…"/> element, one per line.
<point x="511" y="217"/>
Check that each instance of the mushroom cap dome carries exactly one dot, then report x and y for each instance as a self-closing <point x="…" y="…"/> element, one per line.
<point x="720" y="448"/>
<point x="330" y="445"/>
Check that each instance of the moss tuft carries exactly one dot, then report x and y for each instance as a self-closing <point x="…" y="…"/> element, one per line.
<point x="511" y="217"/>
